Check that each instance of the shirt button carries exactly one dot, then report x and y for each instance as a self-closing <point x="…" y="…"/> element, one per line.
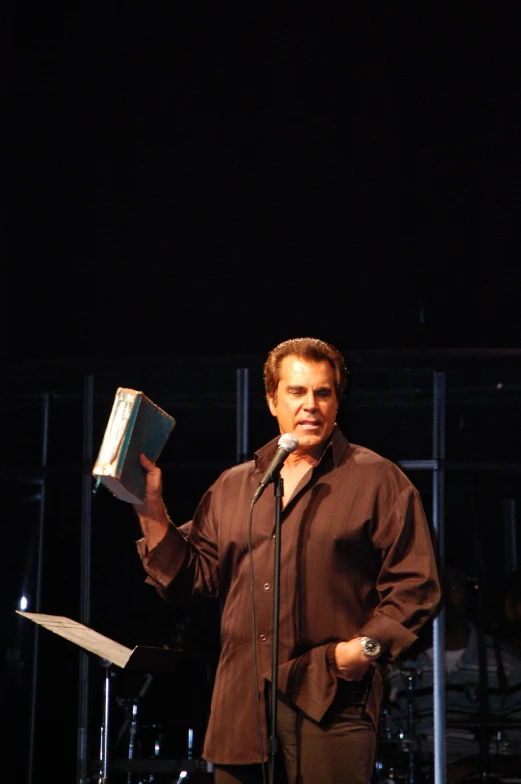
<point x="263" y="637"/>
<point x="266" y="586"/>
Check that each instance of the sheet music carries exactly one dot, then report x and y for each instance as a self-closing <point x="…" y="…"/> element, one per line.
<point x="83" y="636"/>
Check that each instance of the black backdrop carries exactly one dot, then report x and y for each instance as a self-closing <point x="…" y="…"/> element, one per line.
<point x="212" y="179"/>
<point x="186" y="186"/>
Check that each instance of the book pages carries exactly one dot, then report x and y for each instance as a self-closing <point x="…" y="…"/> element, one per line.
<point x="113" y="439"/>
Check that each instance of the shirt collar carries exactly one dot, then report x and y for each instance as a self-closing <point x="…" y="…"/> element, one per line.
<point x="334" y="449"/>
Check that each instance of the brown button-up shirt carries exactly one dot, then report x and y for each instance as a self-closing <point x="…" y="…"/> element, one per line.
<point x="356" y="557"/>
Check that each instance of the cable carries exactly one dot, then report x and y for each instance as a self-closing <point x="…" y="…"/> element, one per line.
<point x="254" y="646"/>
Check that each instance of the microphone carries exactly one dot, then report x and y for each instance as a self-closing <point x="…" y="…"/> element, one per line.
<point x="287" y="444"/>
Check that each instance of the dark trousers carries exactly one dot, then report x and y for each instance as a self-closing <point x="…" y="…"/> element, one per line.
<point x="339" y="750"/>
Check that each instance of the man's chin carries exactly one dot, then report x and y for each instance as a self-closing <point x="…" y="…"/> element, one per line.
<point x="309" y="441"/>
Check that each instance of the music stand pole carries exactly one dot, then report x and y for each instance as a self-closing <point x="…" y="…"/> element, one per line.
<point x="105" y="725"/>
<point x="272" y="745"/>
<point x="141" y="658"/>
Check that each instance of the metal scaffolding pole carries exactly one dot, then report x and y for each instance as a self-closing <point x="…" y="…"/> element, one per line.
<point x="437" y="466"/>
<point x="438" y="517"/>
<point x="242" y="415"/>
<point x="82" y="774"/>
<point x="38" y="590"/>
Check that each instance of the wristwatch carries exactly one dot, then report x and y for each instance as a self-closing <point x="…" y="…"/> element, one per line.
<point x="370" y="648"/>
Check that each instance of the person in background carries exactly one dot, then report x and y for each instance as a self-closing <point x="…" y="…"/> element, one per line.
<point x="510" y="629"/>
<point x="358" y="581"/>
<point x="463" y="691"/>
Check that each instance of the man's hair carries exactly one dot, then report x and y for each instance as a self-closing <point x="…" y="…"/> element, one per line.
<point x="310" y="349"/>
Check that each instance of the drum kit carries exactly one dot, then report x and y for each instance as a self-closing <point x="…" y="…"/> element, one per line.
<point x="148" y="750"/>
<point x="149" y="745"/>
<point x="403" y="757"/>
<point x="398" y="755"/>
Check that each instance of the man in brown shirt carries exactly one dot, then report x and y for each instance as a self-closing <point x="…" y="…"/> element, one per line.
<point x="358" y="579"/>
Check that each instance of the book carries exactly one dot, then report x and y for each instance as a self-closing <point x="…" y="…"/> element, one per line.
<point x="135" y="425"/>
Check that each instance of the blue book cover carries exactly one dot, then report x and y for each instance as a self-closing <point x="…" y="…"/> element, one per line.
<point x="135" y="425"/>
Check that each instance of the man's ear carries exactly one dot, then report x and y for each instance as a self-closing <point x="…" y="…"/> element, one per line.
<point x="272" y="406"/>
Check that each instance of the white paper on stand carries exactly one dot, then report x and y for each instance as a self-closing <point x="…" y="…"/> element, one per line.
<point x="145" y="658"/>
<point x="83" y="636"/>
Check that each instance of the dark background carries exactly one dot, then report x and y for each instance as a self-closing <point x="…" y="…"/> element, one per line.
<point x="216" y="178"/>
<point x="185" y="185"/>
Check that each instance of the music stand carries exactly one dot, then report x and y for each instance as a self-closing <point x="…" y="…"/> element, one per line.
<point x="142" y="658"/>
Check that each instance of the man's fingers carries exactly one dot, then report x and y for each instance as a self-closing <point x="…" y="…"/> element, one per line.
<point x="146" y="463"/>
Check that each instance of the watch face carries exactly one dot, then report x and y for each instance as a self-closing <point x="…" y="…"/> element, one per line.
<point x="370" y="647"/>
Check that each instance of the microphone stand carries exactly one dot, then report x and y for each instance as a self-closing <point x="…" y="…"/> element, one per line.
<point x="272" y="744"/>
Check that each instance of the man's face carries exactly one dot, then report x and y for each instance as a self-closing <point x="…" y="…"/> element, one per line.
<point x="305" y="403"/>
<point x="457" y="591"/>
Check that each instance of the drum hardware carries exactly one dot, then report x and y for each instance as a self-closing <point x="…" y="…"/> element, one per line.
<point x="130" y="723"/>
<point x="388" y="774"/>
<point x="159" y="766"/>
<point x="148" y="748"/>
<point x="409" y="740"/>
<point x="402" y="746"/>
<point x="497" y="729"/>
<point x="474" y="721"/>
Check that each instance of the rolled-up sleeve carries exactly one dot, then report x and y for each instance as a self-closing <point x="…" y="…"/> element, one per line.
<point x="408" y="582"/>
